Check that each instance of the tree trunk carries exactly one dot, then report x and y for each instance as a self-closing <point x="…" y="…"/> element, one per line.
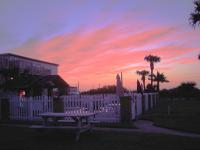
<point x="151" y="67"/>
<point x="151" y="77"/>
<point x="144" y="86"/>
<point x="158" y="86"/>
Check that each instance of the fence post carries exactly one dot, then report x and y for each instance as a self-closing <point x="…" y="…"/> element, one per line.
<point x="5" y="109"/>
<point x="125" y="109"/>
<point x="146" y="101"/>
<point x="157" y="100"/>
<point x="143" y="103"/>
<point x="153" y="98"/>
<point x="149" y="101"/>
<point x="30" y="106"/>
<point x="90" y="106"/>
<point x="58" y="104"/>
<point x="139" y="97"/>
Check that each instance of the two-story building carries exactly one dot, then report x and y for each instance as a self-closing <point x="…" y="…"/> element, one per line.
<point x="29" y="77"/>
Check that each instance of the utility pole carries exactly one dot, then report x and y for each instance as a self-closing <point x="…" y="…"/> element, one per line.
<point x="121" y="80"/>
<point x="78" y="87"/>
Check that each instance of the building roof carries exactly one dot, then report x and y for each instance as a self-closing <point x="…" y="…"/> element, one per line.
<point x="50" y="81"/>
<point x="34" y="81"/>
<point x="23" y="57"/>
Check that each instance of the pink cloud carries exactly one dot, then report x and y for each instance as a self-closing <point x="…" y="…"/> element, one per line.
<point x="94" y="56"/>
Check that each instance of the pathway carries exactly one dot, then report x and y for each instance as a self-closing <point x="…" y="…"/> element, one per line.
<point x="148" y="126"/>
<point x="144" y="126"/>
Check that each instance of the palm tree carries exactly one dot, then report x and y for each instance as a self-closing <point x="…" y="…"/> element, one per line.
<point x="195" y="16"/>
<point x="143" y="73"/>
<point x="152" y="59"/>
<point x="160" y="77"/>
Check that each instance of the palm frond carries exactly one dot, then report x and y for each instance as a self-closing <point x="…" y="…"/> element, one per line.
<point x="195" y="15"/>
<point x="143" y="72"/>
<point x="152" y="58"/>
<point x="195" y="19"/>
<point x="160" y="77"/>
<point x="197" y="6"/>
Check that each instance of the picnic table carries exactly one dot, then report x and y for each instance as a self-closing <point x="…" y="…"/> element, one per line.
<point x="81" y="119"/>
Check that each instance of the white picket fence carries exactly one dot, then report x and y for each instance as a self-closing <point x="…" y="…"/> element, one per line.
<point x="140" y="105"/>
<point x="28" y="108"/>
<point x="107" y="106"/>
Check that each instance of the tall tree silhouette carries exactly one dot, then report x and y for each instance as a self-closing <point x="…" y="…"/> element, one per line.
<point x="152" y="59"/>
<point x="159" y="77"/>
<point x="195" y="15"/>
<point x="143" y="73"/>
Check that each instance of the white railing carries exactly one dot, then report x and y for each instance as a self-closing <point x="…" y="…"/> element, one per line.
<point x="107" y="106"/>
<point x="149" y="101"/>
<point x="24" y="108"/>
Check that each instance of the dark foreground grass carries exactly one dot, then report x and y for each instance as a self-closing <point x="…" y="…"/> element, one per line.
<point x="26" y="139"/>
<point x="184" y="115"/>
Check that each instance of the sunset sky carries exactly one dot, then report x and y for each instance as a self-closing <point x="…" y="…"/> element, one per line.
<point x="93" y="40"/>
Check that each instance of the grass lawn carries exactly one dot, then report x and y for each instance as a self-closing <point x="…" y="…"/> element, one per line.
<point x="184" y="115"/>
<point x="26" y="139"/>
